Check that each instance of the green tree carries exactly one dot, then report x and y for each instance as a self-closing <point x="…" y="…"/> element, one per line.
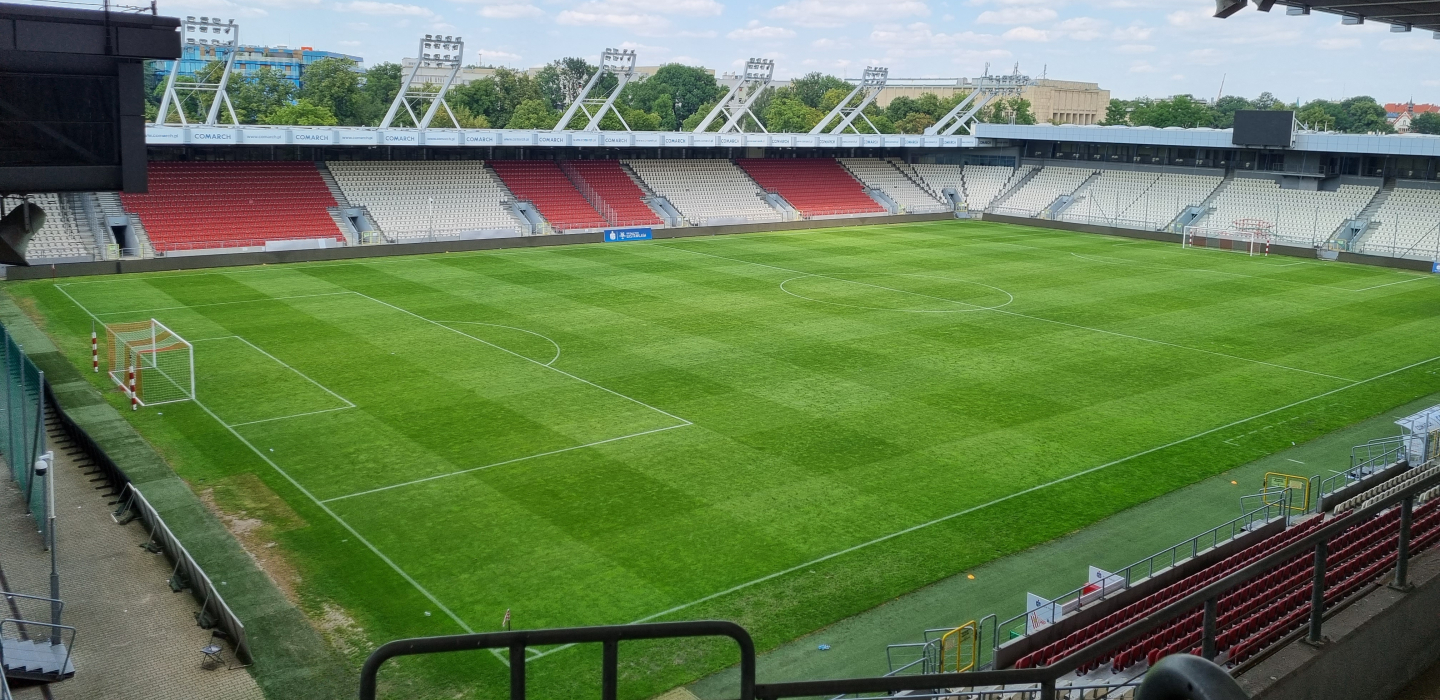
<point x="561" y="81"/>
<point x="463" y="115"/>
<point x="378" y="88"/>
<point x="533" y="114"/>
<point x="302" y="113"/>
<point x="259" y="95"/>
<point x="1425" y="123"/>
<point x="1226" y="107"/>
<point x="688" y="88"/>
<point x="1117" y="113"/>
<point x="914" y="123"/>
<point x="498" y="95"/>
<point x="1180" y="110"/>
<point x="810" y="89"/>
<point x="664" y="110"/>
<point x="334" y="84"/>
<point x="1357" y="115"/>
<point x="694" y="120"/>
<point x="787" y="114"/>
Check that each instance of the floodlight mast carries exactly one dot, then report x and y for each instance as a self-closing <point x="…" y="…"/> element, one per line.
<point x="436" y="51"/>
<point x="619" y="63"/>
<point x="191" y="29"/>
<point x="869" y="88"/>
<point x="986" y="88"/>
<point x="736" y="103"/>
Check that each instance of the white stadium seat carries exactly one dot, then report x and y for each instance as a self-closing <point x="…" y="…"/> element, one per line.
<point x="702" y="190"/>
<point x="467" y="196"/>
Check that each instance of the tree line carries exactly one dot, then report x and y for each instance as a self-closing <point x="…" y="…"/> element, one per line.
<point x="1355" y="115"/>
<point x="677" y="97"/>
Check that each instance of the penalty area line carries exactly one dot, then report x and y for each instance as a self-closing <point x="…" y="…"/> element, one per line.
<point x="1002" y="499"/>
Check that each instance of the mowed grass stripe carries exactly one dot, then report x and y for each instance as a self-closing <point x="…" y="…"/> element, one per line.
<point x="817" y="428"/>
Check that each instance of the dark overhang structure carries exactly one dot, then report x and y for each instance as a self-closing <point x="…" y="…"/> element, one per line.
<point x="1401" y="15"/>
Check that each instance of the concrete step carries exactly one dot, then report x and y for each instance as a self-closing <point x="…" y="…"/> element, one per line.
<point x="34" y="660"/>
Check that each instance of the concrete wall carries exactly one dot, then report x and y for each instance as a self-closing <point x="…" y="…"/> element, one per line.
<point x="190" y="262"/>
<point x="1376" y="646"/>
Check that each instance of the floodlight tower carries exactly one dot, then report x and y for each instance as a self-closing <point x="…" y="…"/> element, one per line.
<point x="619" y="63"/>
<point x="436" y="51"/>
<point x="736" y="103"/>
<point x="987" y="88"/>
<point x="206" y="31"/>
<point x="868" y="89"/>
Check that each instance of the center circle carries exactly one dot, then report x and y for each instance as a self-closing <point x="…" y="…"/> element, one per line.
<point x="897" y="291"/>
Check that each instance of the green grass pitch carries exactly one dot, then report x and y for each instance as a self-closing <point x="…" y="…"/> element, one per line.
<point x="780" y="429"/>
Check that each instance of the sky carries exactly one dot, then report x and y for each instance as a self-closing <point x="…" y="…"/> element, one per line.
<point x="1133" y="48"/>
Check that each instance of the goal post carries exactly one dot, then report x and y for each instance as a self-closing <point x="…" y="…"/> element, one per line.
<point x="1250" y="236"/>
<point x="150" y="362"/>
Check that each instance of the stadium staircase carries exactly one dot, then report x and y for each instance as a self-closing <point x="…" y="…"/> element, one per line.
<point x="34" y="660"/>
<point x="611" y="190"/>
<point x="542" y="183"/>
<point x="1023" y="177"/>
<point x="908" y="171"/>
<point x="200" y="205"/>
<point x="816" y="187"/>
<point x="112" y="207"/>
<point x="1350" y="233"/>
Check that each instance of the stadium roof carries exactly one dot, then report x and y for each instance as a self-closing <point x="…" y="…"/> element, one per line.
<point x="1367" y="144"/>
<point x="1401" y="15"/>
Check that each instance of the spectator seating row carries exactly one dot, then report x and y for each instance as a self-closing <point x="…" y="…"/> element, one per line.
<point x="228" y="204"/>
<point x="1138" y="199"/>
<point x="542" y="183"/>
<point x="1036" y="195"/>
<point x="814" y="186"/>
<point x="887" y="177"/>
<point x="1385" y="488"/>
<point x="1407" y="225"/>
<point x="65" y="233"/>
<point x="706" y="191"/>
<point x="411" y="199"/>
<point x="1299" y="217"/>
<point x="623" y="200"/>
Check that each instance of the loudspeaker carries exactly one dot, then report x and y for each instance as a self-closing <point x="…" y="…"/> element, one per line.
<point x="1225" y="8"/>
<point x="1264" y="5"/>
<point x="15" y="231"/>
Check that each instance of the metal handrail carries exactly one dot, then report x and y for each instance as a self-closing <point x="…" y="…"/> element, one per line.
<point x="608" y="635"/>
<point x="1392" y="450"/>
<point x="1131" y="574"/>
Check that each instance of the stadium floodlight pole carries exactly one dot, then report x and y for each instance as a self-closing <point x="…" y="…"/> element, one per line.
<point x="434" y="51"/>
<point x="872" y="81"/>
<point x="736" y="103"/>
<point x="191" y="31"/>
<point x="617" y="62"/>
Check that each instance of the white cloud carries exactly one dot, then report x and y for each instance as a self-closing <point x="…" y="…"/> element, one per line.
<point x="1083" y="28"/>
<point x="1026" y="34"/>
<point x="514" y="10"/>
<point x="497" y="56"/>
<point x="755" y="30"/>
<point x="384" y="9"/>
<point x="834" y="13"/>
<point x="1016" y="15"/>
<point x="600" y="17"/>
<point x="828" y="43"/>
<point x="707" y="34"/>
<point x="1132" y="33"/>
<point x="1134" y="48"/>
<point x="1187" y="18"/>
<point x="690" y="8"/>
<point x="1338" y="44"/>
<point x="1143" y="67"/>
<point x="1207" y="57"/>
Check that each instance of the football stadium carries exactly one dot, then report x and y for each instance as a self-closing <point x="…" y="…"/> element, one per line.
<point x="981" y="409"/>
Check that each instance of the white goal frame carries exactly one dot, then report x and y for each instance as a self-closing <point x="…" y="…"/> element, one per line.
<point x="1245" y="236"/>
<point x="156" y="361"/>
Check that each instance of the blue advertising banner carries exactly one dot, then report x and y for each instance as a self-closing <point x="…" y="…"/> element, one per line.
<point x="639" y="233"/>
<point x="1435" y="267"/>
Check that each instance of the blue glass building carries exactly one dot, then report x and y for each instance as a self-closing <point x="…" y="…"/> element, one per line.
<point x="284" y="60"/>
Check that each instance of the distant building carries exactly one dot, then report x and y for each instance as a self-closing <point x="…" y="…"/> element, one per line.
<point x="1058" y="101"/>
<point x="1400" y="115"/>
<point x="284" y="60"/>
<point x="432" y="73"/>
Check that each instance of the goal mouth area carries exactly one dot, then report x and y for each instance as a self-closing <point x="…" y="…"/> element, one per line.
<point x="149" y="362"/>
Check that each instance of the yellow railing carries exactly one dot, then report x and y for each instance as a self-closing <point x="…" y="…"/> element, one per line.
<point x="959" y="648"/>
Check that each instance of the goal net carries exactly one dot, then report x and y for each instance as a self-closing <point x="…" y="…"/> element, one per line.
<point x="161" y="362"/>
<point x="1250" y="236"/>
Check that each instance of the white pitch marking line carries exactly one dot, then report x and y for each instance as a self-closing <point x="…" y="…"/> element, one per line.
<point x="502" y="463"/>
<point x="1034" y="318"/>
<point x="376" y="550"/>
<point x="1387" y="284"/>
<point x="1293" y="460"/>
<point x="516" y="354"/>
<point x="1171" y="268"/>
<point x="547" y="338"/>
<point x="217" y="303"/>
<point x="293" y="415"/>
<point x="1002" y="499"/>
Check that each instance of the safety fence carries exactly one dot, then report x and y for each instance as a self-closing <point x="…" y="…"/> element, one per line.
<point x="22" y="433"/>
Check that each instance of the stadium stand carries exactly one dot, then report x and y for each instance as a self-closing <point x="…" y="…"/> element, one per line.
<point x="1299" y="217"/>
<point x="542" y="183"/>
<point x="1043" y="189"/>
<point x="814" y="186"/>
<point x="1407" y="223"/>
<point x="610" y="188"/>
<point x="706" y="192"/>
<point x="65" y="234"/>
<point x="887" y="177"/>
<point x="467" y="196"/>
<point x="1138" y="199"/>
<point x="200" y="205"/>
